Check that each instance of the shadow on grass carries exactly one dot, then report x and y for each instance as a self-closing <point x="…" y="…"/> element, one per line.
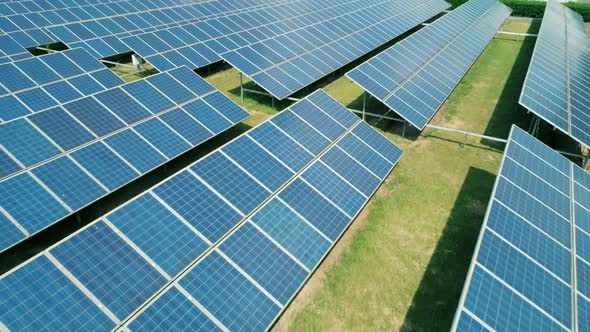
<point x="434" y="303"/>
<point x="61" y="229"/>
<point x="507" y="110"/>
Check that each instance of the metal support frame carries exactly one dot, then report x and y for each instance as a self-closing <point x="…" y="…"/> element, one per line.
<point x="45" y="49"/>
<point x="241" y="87"/>
<point x="364" y="104"/>
<point x="117" y="64"/>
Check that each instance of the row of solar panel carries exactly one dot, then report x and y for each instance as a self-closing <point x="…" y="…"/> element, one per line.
<point x="58" y="161"/>
<point x="39" y="83"/>
<point x="332" y="164"/>
<point x="556" y="86"/>
<point x="13" y="44"/>
<point x="97" y="36"/>
<point x="29" y="14"/>
<point x="167" y="48"/>
<point x="285" y="64"/>
<point x="522" y="272"/>
<point x="415" y="76"/>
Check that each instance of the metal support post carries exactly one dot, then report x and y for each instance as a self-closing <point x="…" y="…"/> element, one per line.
<point x="241" y="88"/>
<point x="404" y="129"/>
<point x="364" y="104"/>
<point x="273" y="101"/>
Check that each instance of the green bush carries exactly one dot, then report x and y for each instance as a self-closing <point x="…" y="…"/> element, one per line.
<point x="526" y="8"/>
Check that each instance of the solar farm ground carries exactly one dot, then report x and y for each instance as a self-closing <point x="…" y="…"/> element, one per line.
<point x="403" y="262"/>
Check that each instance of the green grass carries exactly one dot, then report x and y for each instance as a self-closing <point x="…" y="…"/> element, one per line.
<point x="403" y="262"/>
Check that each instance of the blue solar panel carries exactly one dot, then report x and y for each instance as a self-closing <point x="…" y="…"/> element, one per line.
<point x="173" y="312"/>
<point x="29" y="203"/>
<point x="118" y="276"/>
<point x="104" y="165"/>
<point x="291" y="232"/>
<point x="70" y="183"/>
<point x="41" y="279"/>
<point x="158" y="233"/>
<point x="25" y="143"/>
<point x="38" y="71"/>
<point x="302" y="132"/>
<point x="258" y="162"/>
<point x="149" y="96"/>
<point x="63" y="92"/>
<point x="207" y="116"/>
<point x="266" y="263"/>
<point x="521" y="273"/>
<point x="231" y="182"/>
<point x="36" y="99"/>
<point x="61" y="128"/>
<point x="12" y="108"/>
<point x="171" y="88"/>
<point x="416" y="75"/>
<point x="555" y="88"/>
<point x="163" y="137"/>
<point x="314" y="208"/>
<point x="198" y="205"/>
<point x="135" y="150"/>
<point x="121" y="104"/>
<point x="365" y="155"/>
<point x="94" y="116"/>
<point x="186" y="126"/>
<point x="352" y="171"/>
<point x="228" y="295"/>
<point x="281" y="146"/>
<point x="11" y="234"/>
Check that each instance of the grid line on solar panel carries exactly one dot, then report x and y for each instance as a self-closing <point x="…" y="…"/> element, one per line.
<point x="533" y="246"/>
<point x="397" y="76"/>
<point x="122" y="306"/>
<point x="322" y="44"/>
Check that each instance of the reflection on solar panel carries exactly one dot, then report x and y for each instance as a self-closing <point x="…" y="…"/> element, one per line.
<point x="224" y="243"/>
<point x="285" y="64"/>
<point x="43" y="82"/>
<point x="415" y="76"/>
<point x="65" y="158"/>
<point x="556" y="86"/>
<point x="531" y="263"/>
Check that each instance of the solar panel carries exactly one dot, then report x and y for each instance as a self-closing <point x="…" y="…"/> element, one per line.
<point x="87" y="148"/>
<point x="37" y="84"/>
<point x="415" y="76"/>
<point x="530" y="266"/>
<point x="556" y="85"/>
<point x="287" y="63"/>
<point x="225" y="243"/>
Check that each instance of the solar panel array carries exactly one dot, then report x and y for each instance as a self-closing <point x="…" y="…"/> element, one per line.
<point x="39" y="83"/>
<point x="287" y="63"/>
<point x="55" y="162"/>
<point x="415" y="76"/>
<point x="98" y="27"/>
<point x="223" y="244"/>
<point x="556" y="88"/>
<point x="531" y="266"/>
